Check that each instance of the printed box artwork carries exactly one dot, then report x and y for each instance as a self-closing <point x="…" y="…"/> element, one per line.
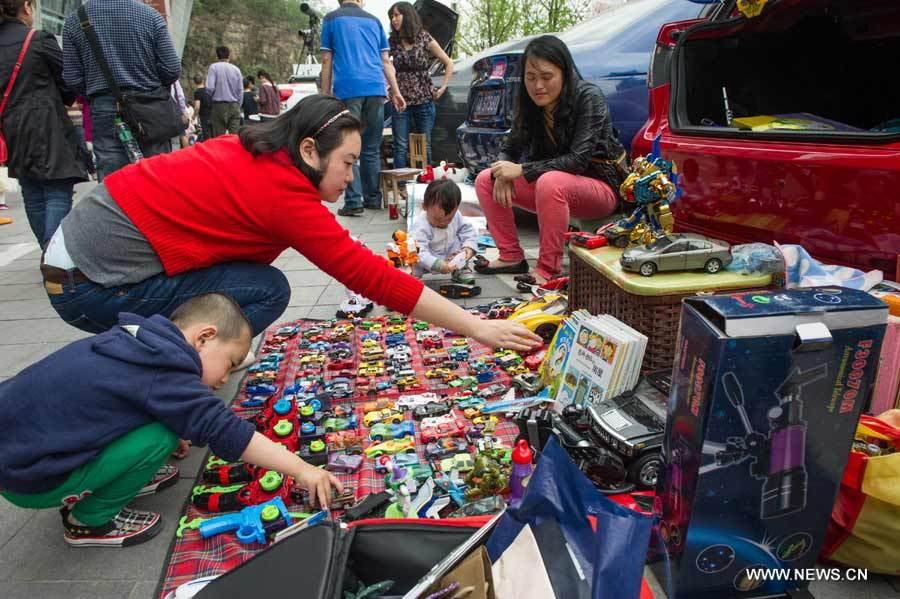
<point x="766" y="392"/>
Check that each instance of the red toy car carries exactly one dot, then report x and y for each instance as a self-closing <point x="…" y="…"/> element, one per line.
<point x="586" y="240"/>
<point x="456" y="428"/>
<point x="751" y="168"/>
<point x="340" y="365"/>
<point x="533" y="362"/>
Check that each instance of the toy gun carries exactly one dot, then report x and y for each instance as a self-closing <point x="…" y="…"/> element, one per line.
<point x="253" y="524"/>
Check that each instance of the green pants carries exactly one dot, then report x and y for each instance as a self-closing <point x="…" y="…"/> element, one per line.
<point x="106" y="484"/>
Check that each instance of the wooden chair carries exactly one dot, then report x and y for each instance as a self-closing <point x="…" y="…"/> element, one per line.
<point x="418" y="150"/>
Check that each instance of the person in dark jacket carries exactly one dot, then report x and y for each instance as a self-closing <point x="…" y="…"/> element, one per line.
<point x="45" y="152"/>
<point x="561" y="159"/>
<point x="91" y="442"/>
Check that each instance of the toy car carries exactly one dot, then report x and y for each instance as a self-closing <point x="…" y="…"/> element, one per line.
<point x="473" y="411"/>
<point x="492" y="390"/>
<point x="434" y="359"/>
<point x="395" y="339"/>
<point x="379" y="404"/>
<point x="394" y="318"/>
<point x="287" y="331"/>
<point x="457" y="428"/>
<point x="398" y="351"/>
<point x="420" y="325"/>
<point x="529" y="383"/>
<point x="409" y="402"/>
<point x="346" y="440"/>
<point x="463" y="381"/>
<point x="339" y="388"/>
<point x="459" y="290"/>
<point x="396" y="328"/>
<point x="312" y="359"/>
<point x="370" y="325"/>
<point x="340" y="424"/>
<point x="517" y="370"/>
<point x="481" y="507"/>
<point x="461" y="462"/>
<point x="391" y="447"/>
<point x="586" y="240"/>
<point x="429" y="410"/>
<point x="372" y="353"/>
<point x="339" y="364"/>
<point x="386" y="462"/>
<point x="436" y="420"/>
<point x="381" y="431"/>
<point x="535" y="360"/>
<point x="487" y="423"/>
<point x="344" y="462"/>
<point x="407" y="382"/>
<point x="432" y="343"/>
<point x="542" y="315"/>
<point x="445" y="447"/>
<point x="371" y="372"/>
<point x="440" y="373"/>
<point x="386" y="416"/>
<point x="466" y="402"/>
<point x="680" y="251"/>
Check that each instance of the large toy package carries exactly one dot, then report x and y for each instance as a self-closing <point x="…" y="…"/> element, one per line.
<point x="767" y="389"/>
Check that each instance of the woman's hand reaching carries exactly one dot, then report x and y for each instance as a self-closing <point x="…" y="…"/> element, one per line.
<point x="506" y="334"/>
<point x="504" y="170"/>
<point x="504" y="193"/>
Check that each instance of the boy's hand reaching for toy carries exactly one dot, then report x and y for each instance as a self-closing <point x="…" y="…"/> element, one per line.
<point x="506" y="334"/>
<point x="318" y="484"/>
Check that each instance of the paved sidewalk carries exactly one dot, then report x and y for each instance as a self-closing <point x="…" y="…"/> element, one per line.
<point x="34" y="560"/>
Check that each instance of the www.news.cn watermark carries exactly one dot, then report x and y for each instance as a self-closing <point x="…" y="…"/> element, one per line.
<point x="807" y="574"/>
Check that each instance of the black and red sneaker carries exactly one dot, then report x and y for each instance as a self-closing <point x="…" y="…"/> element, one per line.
<point x="129" y="527"/>
<point x="166" y="476"/>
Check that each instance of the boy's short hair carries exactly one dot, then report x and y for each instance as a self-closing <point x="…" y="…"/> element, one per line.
<point x="444" y="193"/>
<point x="246" y="82"/>
<point x="198" y="79"/>
<point x="214" y="308"/>
<point x="222" y="52"/>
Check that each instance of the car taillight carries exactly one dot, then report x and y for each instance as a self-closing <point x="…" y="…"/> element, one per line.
<point x="662" y="53"/>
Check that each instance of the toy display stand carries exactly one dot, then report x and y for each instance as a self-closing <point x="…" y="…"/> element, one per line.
<point x="652" y="305"/>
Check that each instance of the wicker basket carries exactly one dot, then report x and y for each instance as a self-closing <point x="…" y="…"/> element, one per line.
<point x="657" y="316"/>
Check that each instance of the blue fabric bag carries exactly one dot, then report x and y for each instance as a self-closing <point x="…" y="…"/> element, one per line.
<point x="558" y="505"/>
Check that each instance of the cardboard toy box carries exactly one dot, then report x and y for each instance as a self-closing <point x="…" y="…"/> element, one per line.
<point x="767" y="388"/>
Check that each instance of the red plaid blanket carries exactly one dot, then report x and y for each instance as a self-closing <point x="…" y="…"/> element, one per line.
<point x="192" y="557"/>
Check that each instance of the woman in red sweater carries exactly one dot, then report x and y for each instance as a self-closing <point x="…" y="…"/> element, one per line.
<point x="212" y="218"/>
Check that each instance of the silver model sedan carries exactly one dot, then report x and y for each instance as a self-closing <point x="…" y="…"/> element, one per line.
<point x="680" y="251"/>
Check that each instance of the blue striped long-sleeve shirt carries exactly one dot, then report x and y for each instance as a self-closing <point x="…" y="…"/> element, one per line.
<point x="135" y="41"/>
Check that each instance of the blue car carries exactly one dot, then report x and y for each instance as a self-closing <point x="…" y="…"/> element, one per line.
<point x="611" y="50"/>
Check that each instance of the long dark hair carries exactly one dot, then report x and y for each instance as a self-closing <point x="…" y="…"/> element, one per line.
<point x="265" y="74"/>
<point x="308" y="118"/>
<point x="411" y="25"/>
<point x="529" y="118"/>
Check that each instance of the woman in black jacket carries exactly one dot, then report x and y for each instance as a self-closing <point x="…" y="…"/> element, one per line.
<point x="44" y="150"/>
<point x="561" y="159"/>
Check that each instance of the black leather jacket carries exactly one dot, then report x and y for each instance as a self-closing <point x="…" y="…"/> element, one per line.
<point x="586" y="144"/>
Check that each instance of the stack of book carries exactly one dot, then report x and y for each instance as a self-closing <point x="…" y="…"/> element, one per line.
<point x="592" y="358"/>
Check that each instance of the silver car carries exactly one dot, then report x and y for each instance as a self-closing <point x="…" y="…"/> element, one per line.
<point x="681" y="251"/>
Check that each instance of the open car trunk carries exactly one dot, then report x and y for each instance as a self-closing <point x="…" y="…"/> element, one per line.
<point x="827" y="64"/>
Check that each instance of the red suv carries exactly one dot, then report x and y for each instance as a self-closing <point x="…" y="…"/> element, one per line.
<point x="785" y="126"/>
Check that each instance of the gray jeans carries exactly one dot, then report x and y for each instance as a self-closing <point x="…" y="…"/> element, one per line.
<point x="226" y="118"/>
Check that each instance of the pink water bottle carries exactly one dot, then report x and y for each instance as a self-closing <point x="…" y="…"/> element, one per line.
<point x="522" y="456"/>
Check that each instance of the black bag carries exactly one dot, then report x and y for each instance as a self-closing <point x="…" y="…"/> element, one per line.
<point x="318" y="562"/>
<point x="153" y="116"/>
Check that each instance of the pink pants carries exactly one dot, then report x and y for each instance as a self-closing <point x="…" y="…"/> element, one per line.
<point x="554" y="197"/>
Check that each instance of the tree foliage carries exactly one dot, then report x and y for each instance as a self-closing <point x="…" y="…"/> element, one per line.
<point x="486" y="23"/>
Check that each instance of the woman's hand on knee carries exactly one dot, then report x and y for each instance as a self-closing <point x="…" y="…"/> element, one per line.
<point x="503" y="193"/>
<point x="504" y="170"/>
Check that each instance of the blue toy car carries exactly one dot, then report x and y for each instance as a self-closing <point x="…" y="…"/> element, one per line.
<point x="264" y="390"/>
<point x="395" y="339"/>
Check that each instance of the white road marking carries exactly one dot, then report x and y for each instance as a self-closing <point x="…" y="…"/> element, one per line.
<point x="17" y="251"/>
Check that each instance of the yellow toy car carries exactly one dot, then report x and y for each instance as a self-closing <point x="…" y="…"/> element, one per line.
<point x="396" y="328"/>
<point x="460" y="342"/>
<point x="517" y="369"/>
<point x="386" y="416"/>
<point x="391" y="447"/>
<point x="542" y="315"/>
<point x="488" y="422"/>
<point x="472" y="412"/>
<point x="310" y="359"/>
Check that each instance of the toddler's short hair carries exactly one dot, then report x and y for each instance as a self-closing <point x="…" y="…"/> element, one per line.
<point x="444" y="193"/>
<point x="214" y="308"/>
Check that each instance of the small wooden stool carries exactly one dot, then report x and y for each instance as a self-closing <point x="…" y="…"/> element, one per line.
<point x="418" y="150"/>
<point x="390" y="179"/>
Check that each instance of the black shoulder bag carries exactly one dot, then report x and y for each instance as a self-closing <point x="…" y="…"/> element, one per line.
<point x="152" y="115"/>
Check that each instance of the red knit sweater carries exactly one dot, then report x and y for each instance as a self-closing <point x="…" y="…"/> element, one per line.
<point x="215" y="203"/>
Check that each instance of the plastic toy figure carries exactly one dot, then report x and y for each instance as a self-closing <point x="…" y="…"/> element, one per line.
<point x="403" y="252"/>
<point x="386" y="462"/>
<point x="489" y="477"/>
<point x="650" y="188"/>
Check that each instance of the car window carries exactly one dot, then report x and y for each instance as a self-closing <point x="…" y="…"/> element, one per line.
<point x="700" y="245"/>
<point x="675" y="247"/>
<point x="632" y="19"/>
